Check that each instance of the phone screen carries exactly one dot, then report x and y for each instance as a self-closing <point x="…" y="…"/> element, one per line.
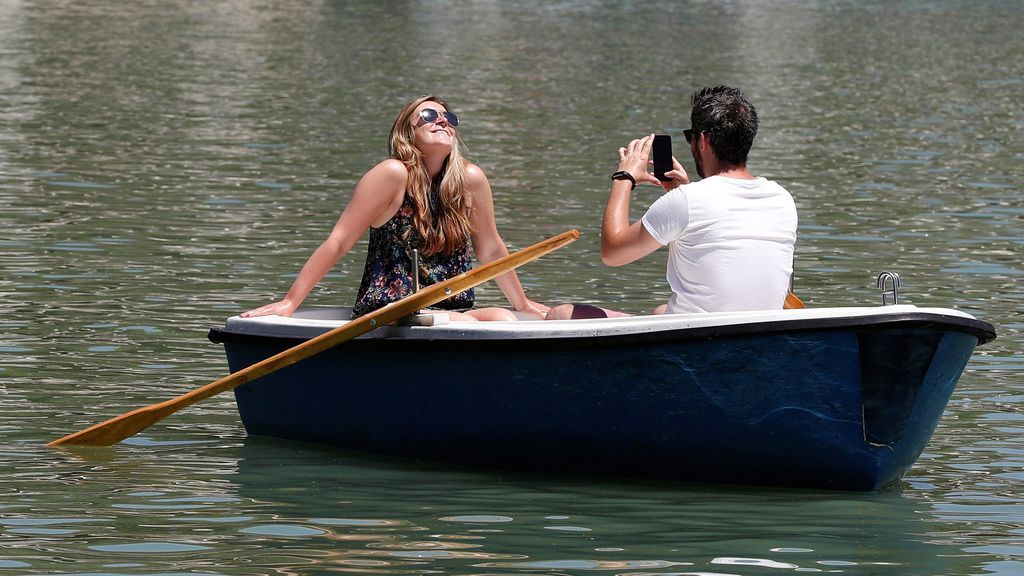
<point x="662" y="156"/>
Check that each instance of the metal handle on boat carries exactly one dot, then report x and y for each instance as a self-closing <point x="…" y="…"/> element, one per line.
<point x="892" y="280"/>
<point x="415" y="270"/>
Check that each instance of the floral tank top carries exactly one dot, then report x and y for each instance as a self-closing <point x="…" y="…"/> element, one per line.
<point x="386" y="276"/>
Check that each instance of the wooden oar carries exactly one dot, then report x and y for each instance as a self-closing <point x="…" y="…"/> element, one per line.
<point x="125" y="425"/>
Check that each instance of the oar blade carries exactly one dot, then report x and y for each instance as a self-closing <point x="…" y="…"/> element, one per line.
<point x="116" y="429"/>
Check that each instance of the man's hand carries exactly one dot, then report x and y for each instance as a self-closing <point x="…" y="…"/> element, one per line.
<point x="677" y="174"/>
<point x="634" y="158"/>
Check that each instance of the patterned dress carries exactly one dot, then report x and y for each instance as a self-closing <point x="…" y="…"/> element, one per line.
<point x="387" y="278"/>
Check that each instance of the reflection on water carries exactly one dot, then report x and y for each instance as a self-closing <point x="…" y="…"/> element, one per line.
<point x="164" y="165"/>
<point x="583" y="524"/>
<point x="293" y="508"/>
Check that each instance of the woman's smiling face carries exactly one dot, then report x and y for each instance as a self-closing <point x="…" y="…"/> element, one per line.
<point x="437" y="133"/>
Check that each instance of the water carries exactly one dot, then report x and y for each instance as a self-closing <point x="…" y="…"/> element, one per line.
<point x="165" y="165"/>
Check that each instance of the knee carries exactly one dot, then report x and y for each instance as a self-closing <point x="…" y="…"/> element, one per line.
<point x="493" y="314"/>
<point x="501" y="314"/>
<point x="560" y="312"/>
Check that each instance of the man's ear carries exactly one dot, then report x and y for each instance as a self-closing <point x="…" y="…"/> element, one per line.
<point x="704" y="144"/>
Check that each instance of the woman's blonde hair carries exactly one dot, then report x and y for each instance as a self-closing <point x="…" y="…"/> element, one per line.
<point x="440" y="206"/>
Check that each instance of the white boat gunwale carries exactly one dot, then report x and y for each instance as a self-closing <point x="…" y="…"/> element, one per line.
<point x="312" y="322"/>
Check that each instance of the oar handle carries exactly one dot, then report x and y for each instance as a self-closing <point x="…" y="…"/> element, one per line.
<point x="130" y="423"/>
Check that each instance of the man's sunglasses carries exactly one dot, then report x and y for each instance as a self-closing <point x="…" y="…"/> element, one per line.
<point x="429" y="116"/>
<point x="689" y="133"/>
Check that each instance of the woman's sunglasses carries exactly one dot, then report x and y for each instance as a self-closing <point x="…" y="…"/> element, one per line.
<point x="429" y="116"/>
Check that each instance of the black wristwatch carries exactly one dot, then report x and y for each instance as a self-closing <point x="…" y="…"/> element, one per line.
<point x="623" y="175"/>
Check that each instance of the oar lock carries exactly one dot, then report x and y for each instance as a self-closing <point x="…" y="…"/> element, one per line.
<point x="415" y="272"/>
<point x="889" y="283"/>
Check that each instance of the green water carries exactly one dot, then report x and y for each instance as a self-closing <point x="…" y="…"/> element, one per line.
<point x="164" y="165"/>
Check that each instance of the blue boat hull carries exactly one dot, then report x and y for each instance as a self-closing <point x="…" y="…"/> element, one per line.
<point x="835" y="408"/>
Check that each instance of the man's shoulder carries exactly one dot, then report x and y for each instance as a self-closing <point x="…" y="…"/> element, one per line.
<point x="776" y="189"/>
<point x="759" y="185"/>
<point x="715" y="194"/>
<point x="719" y="186"/>
<point x="714" y="186"/>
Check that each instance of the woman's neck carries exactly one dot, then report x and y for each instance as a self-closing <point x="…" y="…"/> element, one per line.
<point x="434" y="163"/>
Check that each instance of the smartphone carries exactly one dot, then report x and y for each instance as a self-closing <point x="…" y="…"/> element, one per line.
<point x="662" y="156"/>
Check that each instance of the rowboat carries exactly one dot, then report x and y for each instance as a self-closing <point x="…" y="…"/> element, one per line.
<point x="838" y="398"/>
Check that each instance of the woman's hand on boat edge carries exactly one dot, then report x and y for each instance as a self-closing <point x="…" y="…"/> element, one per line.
<point x="281" y="308"/>
<point x="535" y="309"/>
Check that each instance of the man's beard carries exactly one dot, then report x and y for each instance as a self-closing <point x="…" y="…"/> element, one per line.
<point x="698" y="164"/>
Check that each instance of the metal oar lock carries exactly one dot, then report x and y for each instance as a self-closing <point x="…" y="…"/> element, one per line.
<point x="416" y="318"/>
<point x="889" y="283"/>
<point x="415" y="270"/>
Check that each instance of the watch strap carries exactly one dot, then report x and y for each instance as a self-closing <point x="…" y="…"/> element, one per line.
<point x="624" y="175"/>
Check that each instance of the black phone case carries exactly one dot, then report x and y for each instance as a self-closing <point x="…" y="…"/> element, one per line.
<point x="662" y="156"/>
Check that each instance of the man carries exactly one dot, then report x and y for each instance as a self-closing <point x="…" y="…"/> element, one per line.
<point x="730" y="235"/>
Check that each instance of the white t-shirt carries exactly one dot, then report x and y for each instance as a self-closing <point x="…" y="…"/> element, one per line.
<point x="730" y="244"/>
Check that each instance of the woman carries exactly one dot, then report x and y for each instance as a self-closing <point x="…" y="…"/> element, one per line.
<point x="425" y="197"/>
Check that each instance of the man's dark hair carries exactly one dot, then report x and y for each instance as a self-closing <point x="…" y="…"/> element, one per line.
<point x="729" y="120"/>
